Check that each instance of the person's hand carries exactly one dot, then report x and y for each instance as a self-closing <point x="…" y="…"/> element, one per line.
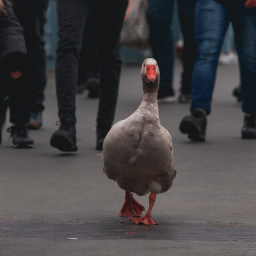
<point x="15" y="74"/>
<point x="250" y="3"/>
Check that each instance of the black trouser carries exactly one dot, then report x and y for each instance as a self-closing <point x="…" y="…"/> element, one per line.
<point x="18" y="91"/>
<point x="186" y="9"/>
<point x="88" y="62"/>
<point x="32" y="16"/>
<point x="108" y="18"/>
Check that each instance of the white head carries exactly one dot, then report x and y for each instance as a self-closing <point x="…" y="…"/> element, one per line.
<point x="150" y="73"/>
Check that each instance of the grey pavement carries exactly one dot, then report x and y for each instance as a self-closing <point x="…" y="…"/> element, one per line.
<point x="47" y="196"/>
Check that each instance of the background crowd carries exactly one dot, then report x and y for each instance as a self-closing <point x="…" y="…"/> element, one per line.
<point x="88" y="57"/>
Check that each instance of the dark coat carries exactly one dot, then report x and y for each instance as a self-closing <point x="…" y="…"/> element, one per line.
<point x="13" y="52"/>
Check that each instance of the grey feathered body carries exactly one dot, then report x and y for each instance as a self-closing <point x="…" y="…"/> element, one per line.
<point x="138" y="153"/>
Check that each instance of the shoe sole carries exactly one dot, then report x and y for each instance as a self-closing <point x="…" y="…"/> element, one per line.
<point x="25" y="145"/>
<point x="189" y="128"/>
<point x="62" y="143"/>
<point x="248" y="135"/>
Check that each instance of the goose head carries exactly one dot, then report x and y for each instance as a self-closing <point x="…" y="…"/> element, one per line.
<point x="150" y="75"/>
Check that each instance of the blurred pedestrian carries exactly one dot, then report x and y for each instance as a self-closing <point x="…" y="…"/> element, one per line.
<point x="228" y="56"/>
<point x="160" y="18"/>
<point x="212" y="21"/>
<point x="108" y="19"/>
<point x="32" y="16"/>
<point x="88" y="67"/>
<point x="186" y="10"/>
<point x="13" y="72"/>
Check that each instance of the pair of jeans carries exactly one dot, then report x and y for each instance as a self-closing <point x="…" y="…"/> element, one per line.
<point x="212" y="21"/>
<point x="228" y="42"/>
<point x="186" y="10"/>
<point x="32" y="16"/>
<point x="108" y="20"/>
<point x="160" y="17"/>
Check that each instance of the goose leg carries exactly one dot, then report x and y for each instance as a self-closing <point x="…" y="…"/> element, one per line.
<point x="131" y="208"/>
<point x="147" y="218"/>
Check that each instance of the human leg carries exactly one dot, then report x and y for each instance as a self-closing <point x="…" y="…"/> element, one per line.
<point x="212" y="19"/>
<point x="244" y="21"/>
<point x="186" y="9"/>
<point x="108" y="24"/>
<point x="32" y="16"/>
<point x="160" y="15"/>
<point x="19" y="99"/>
<point x="4" y="96"/>
<point x="88" y="69"/>
<point x="72" y="16"/>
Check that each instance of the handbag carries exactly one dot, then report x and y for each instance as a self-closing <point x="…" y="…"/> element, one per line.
<point x="135" y="31"/>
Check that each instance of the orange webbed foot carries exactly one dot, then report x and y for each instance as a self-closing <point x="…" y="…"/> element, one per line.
<point x="131" y="207"/>
<point x="146" y="220"/>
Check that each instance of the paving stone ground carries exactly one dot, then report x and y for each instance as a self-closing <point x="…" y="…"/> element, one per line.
<point x="47" y="196"/>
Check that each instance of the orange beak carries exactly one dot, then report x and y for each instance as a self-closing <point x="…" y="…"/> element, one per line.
<point x="151" y="73"/>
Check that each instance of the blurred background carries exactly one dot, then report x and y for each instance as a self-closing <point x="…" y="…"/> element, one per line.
<point x="129" y="55"/>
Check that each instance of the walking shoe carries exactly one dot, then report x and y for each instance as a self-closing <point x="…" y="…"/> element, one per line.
<point x="194" y="125"/>
<point x="165" y="94"/>
<point x="249" y="128"/>
<point x="92" y="85"/>
<point x="80" y="88"/>
<point x="35" y="120"/>
<point x="237" y="93"/>
<point x="228" y="58"/>
<point x="64" y="138"/>
<point x="20" y="138"/>
<point x="101" y="134"/>
<point x="184" y="98"/>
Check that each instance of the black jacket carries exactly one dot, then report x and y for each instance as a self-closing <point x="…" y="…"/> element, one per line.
<point x="13" y="52"/>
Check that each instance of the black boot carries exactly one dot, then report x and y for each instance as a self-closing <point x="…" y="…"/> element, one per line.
<point x="249" y="128"/>
<point x="194" y="125"/>
<point x="92" y="85"/>
<point x="65" y="138"/>
<point x="237" y="93"/>
<point x="165" y="94"/>
<point x="101" y="134"/>
<point x="20" y="138"/>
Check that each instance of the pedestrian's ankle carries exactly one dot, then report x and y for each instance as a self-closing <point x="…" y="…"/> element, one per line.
<point x="198" y="112"/>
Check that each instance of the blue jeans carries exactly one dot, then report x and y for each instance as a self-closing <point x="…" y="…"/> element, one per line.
<point x="228" y="42"/>
<point x="212" y="21"/>
<point x="160" y="15"/>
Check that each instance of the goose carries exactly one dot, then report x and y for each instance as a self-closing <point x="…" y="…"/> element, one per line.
<point x="138" y="151"/>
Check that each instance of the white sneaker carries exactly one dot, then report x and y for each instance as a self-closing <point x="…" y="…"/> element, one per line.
<point x="228" y="59"/>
